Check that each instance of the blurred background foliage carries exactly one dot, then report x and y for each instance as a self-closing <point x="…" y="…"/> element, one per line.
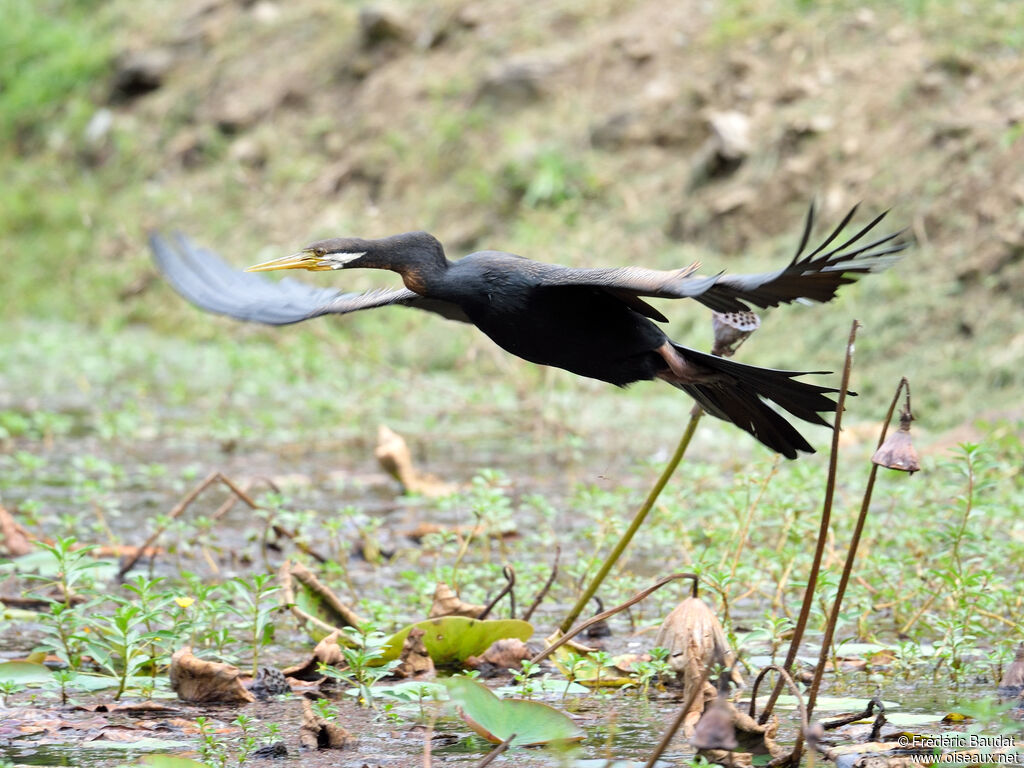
<point x="598" y="132"/>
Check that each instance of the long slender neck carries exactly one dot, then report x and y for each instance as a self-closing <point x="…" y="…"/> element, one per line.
<point x="417" y="256"/>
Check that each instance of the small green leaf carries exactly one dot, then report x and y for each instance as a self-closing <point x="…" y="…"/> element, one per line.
<point x="497" y="719"/>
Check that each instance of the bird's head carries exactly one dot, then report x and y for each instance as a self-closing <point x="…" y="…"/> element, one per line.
<point x="401" y="253"/>
<point x="336" y="253"/>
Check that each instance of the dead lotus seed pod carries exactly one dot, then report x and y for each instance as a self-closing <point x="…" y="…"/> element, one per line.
<point x="897" y="452"/>
<point x="731" y="329"/>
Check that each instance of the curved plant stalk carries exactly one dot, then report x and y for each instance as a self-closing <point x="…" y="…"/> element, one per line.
<point x="547" y="586"/>
<point x="666" y="738"/>
<point x="612" y="611"/>
<point x="826" y="517"/>
<point x="510" y="582"/>
<point x="638" y="519"/>
<point x="786" y="679"/>
<point x="851" y="555"/>
<point x="793" y="758"/>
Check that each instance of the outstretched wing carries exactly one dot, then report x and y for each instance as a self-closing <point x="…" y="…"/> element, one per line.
<point x="205" y="280"/>
<point x="814" y="277"/>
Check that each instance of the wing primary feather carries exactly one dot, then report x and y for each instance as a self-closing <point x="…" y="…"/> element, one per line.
<point x="808" y="225"/>
<point x="863" y="231"/>
<point x="835" y="233"/>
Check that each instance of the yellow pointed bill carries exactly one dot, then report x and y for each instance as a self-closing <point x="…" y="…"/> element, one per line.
<point x="300" y="260"/>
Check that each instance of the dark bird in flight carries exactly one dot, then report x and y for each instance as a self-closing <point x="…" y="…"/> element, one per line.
<point x="593" y="322"/>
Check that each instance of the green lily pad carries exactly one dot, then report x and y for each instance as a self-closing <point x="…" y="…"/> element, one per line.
<point x="450" y="640"/>
<point x="25" y="673"/>
<point x="496" y="719"/>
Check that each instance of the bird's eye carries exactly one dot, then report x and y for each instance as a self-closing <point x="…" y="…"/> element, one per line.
<point x="320" y="251"/>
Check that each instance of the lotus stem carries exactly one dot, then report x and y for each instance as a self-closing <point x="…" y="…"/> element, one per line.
<point x="826" y="517"/>
<point x="638" y="519"/>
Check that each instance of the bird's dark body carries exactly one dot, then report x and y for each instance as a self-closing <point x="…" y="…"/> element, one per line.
<point x="583" y="329"/>
<point x="592" y="322"/>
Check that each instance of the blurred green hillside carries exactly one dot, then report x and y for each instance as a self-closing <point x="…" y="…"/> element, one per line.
<point x="601" y="133"/>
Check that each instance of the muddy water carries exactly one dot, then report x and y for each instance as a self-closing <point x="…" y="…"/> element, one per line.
<point x="117" y="493"/>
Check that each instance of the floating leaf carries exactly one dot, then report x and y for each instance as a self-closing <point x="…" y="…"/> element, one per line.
<point x="450" y="640"/>
<point x="903" y="719"/>
<point x="497" y="719"/>
<point x="587" y="672"/>
<point x="170" y="761"/>
<point x="18" y="614"/>
<point x="957" y="717"/>
<point x="830" y="703"/>
<point x="411" y="691"/>
<point x="544" y="685"/>
<point x="25" y="673"/>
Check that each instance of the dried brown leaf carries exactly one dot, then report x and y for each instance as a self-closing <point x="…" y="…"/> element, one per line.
<point x="1013" y="679"/>
<point x="695" y="640"/>
<point x="196" y="680"/>
<point x="509" y="653"/>
<point x="447" y="603"/>
<point x="327" y="651"/>
<point x="318" y="733"/>
<point x="395" y="458"/>
<point x="14" y="540"/>
<point x="729" y="725"/>
<point x="415" y="661"/>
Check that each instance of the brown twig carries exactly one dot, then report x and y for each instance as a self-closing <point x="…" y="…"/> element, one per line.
<point x="874" y="704"/>
<point x="597" y="618"/>
<point x="785" y="679"/>
<point x="180" y="507"/>
<point x="189" y="498"/>
<point x="491" y="756"/>
<point x="547" y="586"/>
<point x="510" y="582"/>
<point x="243" y="494"/>
<point x="826" y="516"/>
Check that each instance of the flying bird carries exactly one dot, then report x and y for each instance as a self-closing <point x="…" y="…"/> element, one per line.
<point x="593" y="322"/>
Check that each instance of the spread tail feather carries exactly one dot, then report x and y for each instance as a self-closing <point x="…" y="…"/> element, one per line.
<point x="737" y="393"/>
